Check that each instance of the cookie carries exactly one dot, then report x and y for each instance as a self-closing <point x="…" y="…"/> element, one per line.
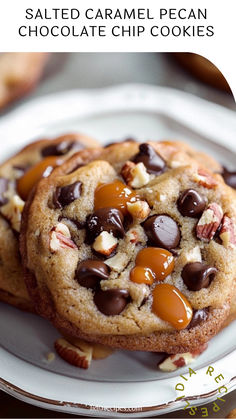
<point x="208" y="161"/>
<point x="111" y="249"/>
<point x="19" y="74"/>
<point x="232" y="414"/>
<point x="203" y="159"/>
<point x="17" y="176"/>
<point x="232" y="314"/>
<point x="229" y="177"/>
<point x="203" y="69"/>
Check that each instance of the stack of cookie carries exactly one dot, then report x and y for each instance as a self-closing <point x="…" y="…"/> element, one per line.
<point x="131" y="246"/>
<point x="17" y="177"/>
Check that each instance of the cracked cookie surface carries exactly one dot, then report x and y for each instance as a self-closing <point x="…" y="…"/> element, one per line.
<point x="17" y="176"/>
<point x="105" y="244"/>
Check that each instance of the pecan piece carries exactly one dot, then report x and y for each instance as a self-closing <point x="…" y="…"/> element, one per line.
<point x="135" y="175"/>
<point x="205" y="178"/>
<point x="209" y="222"/>
<point x="173" y="362"/>
<point x="228" y="232"/>
<point x="105" y="243"/>
<point x="60" y="238"/>
<point x="79" y="355"/>
<point x="138" y="209"/>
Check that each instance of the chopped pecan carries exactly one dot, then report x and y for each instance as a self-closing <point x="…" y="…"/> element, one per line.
<point x="139" y="209"/>
<point x="228" y="232"/>
<point x="12" y="210"/>
<point x="135" y="175"/>
<point x="205" y="178"/>
<point x="117" y="262"/>
<point x="173" y="362"/>
<point x="79" y="355"/>
<point x="209" y="222"/>
<point x="60" y="238"/>
<point x="126" y="171"/>
<point x="105" y="243"/>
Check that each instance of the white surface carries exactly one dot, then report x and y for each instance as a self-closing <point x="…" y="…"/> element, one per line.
<point x="139" y="110"/>
<point x="125" y="380"/>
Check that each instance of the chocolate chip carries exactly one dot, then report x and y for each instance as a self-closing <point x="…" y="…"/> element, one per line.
<point x="197" y="275"/>
<point x="229" y="178"/>
<point x="162" y="231"/>
<point x="150" y="158"/>
<point x="61" y="148"/>
<point x="191" y="203"/>
<point x="111" y="302"/>
<point x="3" y="188"/>
<point x="105" y="219"/>
<point x="65" y="195"/>
<point x="90" y="272"/>
<point x="198" y="317"/>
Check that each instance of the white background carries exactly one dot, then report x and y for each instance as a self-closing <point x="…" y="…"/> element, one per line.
<point x="220" y="48"/>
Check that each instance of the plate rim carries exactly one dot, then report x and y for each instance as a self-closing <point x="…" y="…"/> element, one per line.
<point x="141" y="97"/>
<point x="74" y="95"/>
<point x="170" y="406"/>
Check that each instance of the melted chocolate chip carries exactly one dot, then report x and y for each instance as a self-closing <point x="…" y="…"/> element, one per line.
<point x="3" y="188"/>
<point x="105" y="219"/>
<point x="162" y="231"/>
<point x="61" y="148"/>
<point x="197" y="275"/>
<point x="89" y="273"/>
<point x="191" y="203"/>
<point x="150" y="158"/>
<point x="111" y="302"/>
<point x="198" y="317"/>
<point x="65" y="195"/>
<point x="229" y="178"/>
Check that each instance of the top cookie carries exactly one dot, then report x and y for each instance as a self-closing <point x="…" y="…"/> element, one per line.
<point x="17" y="176"/>
<point x="133" y="244"/>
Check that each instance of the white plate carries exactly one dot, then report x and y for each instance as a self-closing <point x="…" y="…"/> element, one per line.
<point x="127" y="383"/>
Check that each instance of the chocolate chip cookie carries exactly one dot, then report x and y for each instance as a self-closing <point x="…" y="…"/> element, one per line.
<point x="19" y="74"/>
<point x="17" y="177"/>
<point x="208" y="161"/>
<point x="202" y="157"/>
<point x="131" y="249"/>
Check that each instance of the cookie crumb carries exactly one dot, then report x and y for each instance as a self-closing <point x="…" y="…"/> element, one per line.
<point x="50" y="357"/>
<point x="232" y="414"/>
